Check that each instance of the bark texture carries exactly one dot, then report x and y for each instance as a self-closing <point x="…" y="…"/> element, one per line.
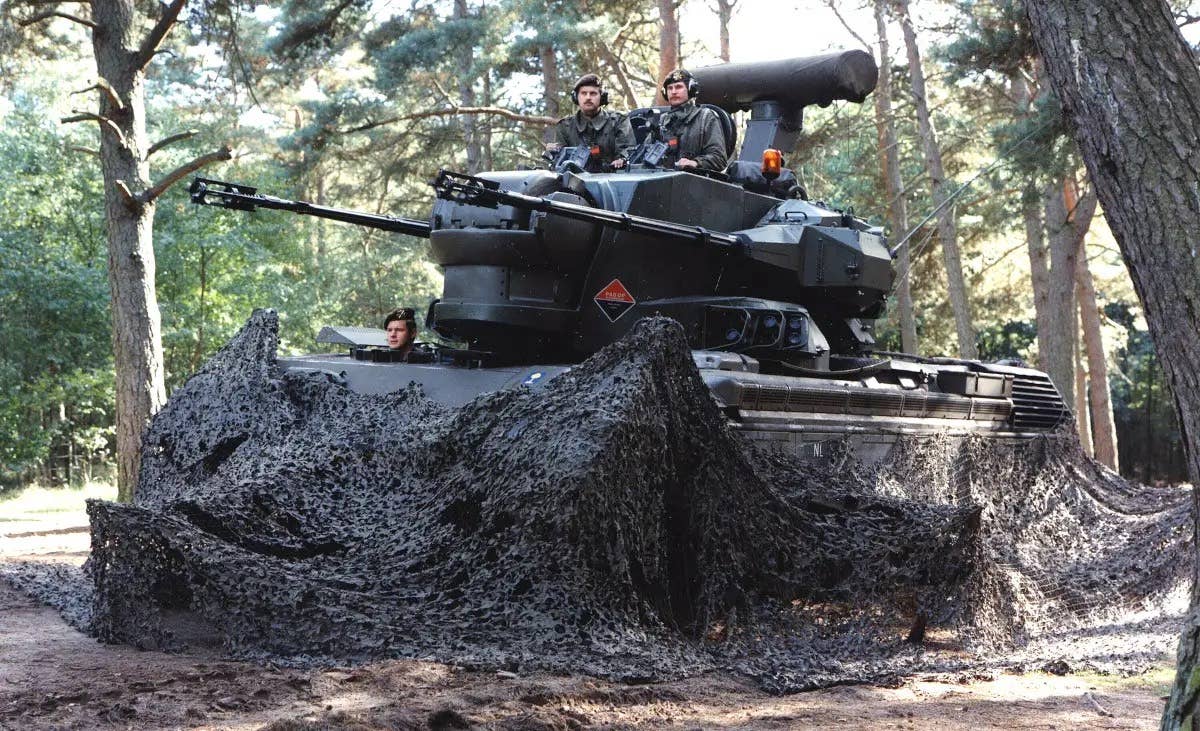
<point x="550" y="85"/>
<point x="618" y="72"/>
<point x="466" y="94"/>
<point x="1067" y="221"/>
<point x="724" y="15"/>
<point x="1104" y="430"/>
<point x="1129" y="83"/>
<point x="947" y="229"/>
<point x="1039" y="268"/>
<point x="121" y="56"/>
<point x="1083" y="419"/>
<point x="668" y="43"/>
<point x="1180" y="713"/>
<point x="1031" y="215"/>
<point x="889" y="159"/>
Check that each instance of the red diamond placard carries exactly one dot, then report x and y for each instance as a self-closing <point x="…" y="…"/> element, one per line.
<point x="614" y="300"/>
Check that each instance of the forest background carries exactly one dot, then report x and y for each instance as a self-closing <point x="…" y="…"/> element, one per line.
<point x="961" y="152"/>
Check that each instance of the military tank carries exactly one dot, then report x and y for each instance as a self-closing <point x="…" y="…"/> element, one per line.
<point x="777" y="293"/>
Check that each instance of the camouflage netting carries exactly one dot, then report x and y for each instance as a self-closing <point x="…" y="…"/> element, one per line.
<point x="609" y="523"/>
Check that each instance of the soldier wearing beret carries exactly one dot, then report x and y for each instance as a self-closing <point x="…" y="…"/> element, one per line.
<point x="606" y="133"/>
<point x="693" y="132"/>
<point x="401" y="327"/>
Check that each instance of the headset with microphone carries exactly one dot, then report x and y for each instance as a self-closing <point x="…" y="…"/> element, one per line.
<point x="684" y="76"/>
<point x="589" y="80"/>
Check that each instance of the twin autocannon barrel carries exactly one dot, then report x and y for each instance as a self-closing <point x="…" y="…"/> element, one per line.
<point x="208" y="192"/>
<point x="461" y="188"/>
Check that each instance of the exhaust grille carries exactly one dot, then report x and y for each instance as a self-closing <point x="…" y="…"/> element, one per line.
<point x="1037" y="404"/>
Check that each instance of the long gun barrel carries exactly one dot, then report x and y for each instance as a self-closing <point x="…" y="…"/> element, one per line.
<point x="470" y="190"/>
<point x="240" y="197"/>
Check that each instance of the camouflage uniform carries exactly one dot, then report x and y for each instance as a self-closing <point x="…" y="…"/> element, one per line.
<point x="610" y="131"/>
<point x="698" y="133"/>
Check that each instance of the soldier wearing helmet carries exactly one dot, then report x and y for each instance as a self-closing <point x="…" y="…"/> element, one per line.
<point x="692" y="131"/>
<point x="606" y="133"/>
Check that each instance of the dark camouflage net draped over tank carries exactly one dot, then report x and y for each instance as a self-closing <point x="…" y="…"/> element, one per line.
<point x="610" y="523"/>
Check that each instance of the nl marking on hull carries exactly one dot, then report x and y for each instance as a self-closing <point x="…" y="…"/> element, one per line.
<point x="614" y="300"/>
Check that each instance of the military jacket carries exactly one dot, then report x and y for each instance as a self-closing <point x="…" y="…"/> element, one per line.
<point x="698" y="135"/>
<point x="610" y="131"/>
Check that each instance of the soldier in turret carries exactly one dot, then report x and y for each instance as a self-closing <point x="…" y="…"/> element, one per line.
<point x="401" y="328"/>
<point x="693" y="132"/>
<point x="606" y="133"/>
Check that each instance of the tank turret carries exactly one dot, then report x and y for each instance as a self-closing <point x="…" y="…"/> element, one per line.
<point x="548" y="264"/>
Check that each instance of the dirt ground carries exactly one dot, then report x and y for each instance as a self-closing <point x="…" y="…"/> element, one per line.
<point x="53" y="677"/>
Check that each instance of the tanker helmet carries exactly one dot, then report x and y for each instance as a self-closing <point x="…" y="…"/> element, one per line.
<point x="684" y="76"/>
<point x="589" y="80"/>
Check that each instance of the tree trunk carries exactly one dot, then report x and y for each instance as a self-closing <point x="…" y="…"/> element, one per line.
<point x="550" y="85"/>
<point x="889" y="159"/>
<point x="1083" y="420"/>
<point x="1039" y="269"/>
<point x="69" y="467"/>
<point x="1180" y="712"/>
<point x="137" y="329"/>
<point x="724" y="15"/>
<point x="1031" y="215"/>
<point x="489" y="155"/>
<point x="1129" y="83"/>
<point x="1148" y="441"/>
<point x="198" y="348"/>
<point x="1104" y="430"/>
<point x="316" y="228"/>
<point x="1058" y="358"/>
<point x="466" y="94"/>
<point x="321" y="234"/>
<point x="668" y="43"/>
<point x="947" y="234"/>
<point x="618" y="73"/>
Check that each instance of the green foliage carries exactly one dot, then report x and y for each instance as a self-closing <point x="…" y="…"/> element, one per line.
<point x="315" y="31"/>
<point x="419" y="42"/>
<point x="1147" y="425"/>
<point x="55" y="357"/>
<point x="1006" y="341"/>
<point x="996" y="40"/>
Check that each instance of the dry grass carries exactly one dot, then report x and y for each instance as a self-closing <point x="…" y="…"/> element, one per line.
<point x="37" y="504"/>
<point x="1157" y="680"/>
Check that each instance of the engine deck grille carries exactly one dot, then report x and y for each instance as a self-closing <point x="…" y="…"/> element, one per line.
<point x="1037" y="404"/>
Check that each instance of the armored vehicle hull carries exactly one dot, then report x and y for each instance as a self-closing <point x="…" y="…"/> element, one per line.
<point x="777" y="295"/>
<point x="800" y="415"/>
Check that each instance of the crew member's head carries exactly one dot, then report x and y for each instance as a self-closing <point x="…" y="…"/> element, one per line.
<point x="401" y="327"/>
<point x="589" y="94"/>
<point x="679" y="86"/>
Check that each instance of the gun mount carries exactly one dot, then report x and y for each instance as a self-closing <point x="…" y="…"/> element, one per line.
<point x="776" y="294"/>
